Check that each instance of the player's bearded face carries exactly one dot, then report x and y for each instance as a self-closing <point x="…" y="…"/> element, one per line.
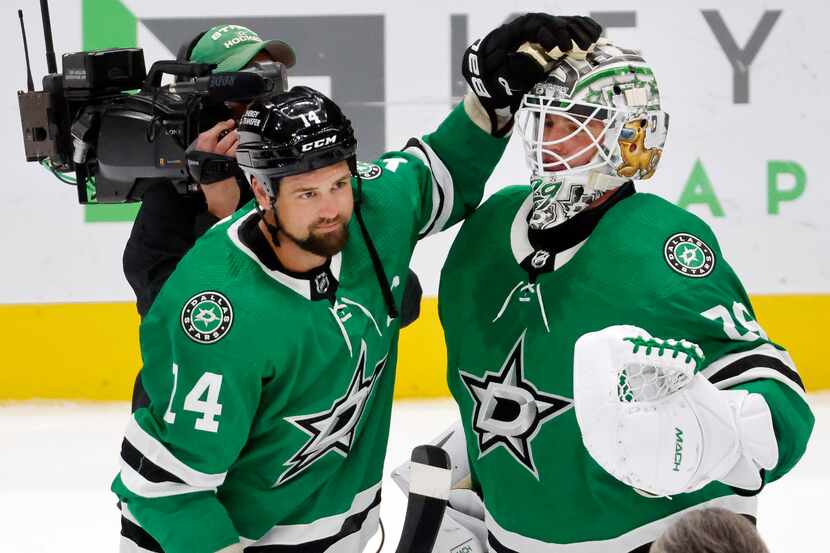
<point x="314" y="209"/>
<point x="325" y="238"/>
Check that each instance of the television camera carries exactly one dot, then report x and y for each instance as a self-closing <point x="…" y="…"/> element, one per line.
<point x="110" y="128"/>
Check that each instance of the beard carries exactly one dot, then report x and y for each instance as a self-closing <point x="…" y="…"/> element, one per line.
<point x="324" y="244"/>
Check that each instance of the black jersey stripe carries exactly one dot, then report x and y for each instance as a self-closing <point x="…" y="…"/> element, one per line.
<point x="351" y="524"/>
<point x="756" y="361"/>
<point x="415" y="143"/>
<point x="144" y="466"/>
<point x="139" y="536"/>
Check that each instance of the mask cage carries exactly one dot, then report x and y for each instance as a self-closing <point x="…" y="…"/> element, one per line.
<point x="542" y="156"/>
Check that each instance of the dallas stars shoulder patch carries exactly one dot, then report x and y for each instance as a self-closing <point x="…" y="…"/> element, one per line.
<point x="368" y="171"/>
<point x="689" y="255"/>
<point x="207" y="317"/>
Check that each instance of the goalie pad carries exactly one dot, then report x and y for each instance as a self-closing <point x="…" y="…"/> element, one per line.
<point x="648" y="419"/>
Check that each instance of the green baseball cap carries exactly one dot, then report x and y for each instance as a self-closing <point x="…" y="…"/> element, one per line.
<point x="231" y="47"/>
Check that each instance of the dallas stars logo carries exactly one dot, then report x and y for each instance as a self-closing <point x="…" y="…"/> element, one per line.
<point x="689" y="255"/>
<point x="333" y="430"/>
<point x="509" y="410"/>
<point x="207" y="317"/>
<point x="368" y="171"/>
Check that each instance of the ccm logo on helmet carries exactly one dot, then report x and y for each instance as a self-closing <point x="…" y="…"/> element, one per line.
<point x="319" y="143"/>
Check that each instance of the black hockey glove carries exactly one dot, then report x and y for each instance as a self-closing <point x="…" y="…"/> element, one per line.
<point x="505" y="65"/>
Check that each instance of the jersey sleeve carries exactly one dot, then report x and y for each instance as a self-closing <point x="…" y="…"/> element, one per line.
<point x="176" y="452"/>
<point x="716" y="313"/>
<point x="442" y="174"/>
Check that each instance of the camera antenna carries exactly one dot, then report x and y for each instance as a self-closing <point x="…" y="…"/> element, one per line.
<point x="51" y="65"/>
<point x="29" y="83"/>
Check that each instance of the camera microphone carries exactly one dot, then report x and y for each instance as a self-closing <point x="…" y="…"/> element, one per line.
<point x="237" y="85"/>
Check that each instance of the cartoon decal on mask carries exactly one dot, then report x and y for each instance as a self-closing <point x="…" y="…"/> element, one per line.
<point x="638" y="161"/>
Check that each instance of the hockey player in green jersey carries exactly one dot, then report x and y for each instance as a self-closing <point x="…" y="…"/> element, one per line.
<point x="269" y="354"/>
<point x="605" y="358"/>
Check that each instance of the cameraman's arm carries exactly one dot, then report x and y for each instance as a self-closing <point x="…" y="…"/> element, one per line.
<point x="169" y="223"/>
<point x="222" y="197"/>
<point x="163" y="231"/>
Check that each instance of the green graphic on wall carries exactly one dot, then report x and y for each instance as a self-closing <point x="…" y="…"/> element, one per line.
<point x="108" y="24"/>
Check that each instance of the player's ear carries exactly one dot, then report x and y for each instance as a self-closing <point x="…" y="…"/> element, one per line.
<point x="259" y="192"/>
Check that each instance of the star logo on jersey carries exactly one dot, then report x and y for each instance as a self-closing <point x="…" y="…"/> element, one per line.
<point x="509" y="410"/>
<point x="207" y="317"/>
<point x="333" y="430"/>
<point x="689" y="255"/>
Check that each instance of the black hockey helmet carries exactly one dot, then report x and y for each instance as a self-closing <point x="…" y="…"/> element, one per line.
<point x="291" y="133"/>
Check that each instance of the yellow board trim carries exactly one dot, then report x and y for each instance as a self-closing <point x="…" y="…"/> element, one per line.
<point x="90" y="351"/>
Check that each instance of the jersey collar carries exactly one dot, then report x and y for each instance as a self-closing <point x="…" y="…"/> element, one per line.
<point x="540" y="251"/>
<point x="319" y="283"/>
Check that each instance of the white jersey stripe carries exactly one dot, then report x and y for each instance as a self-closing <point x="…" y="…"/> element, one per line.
<point x="719" y="367"/>
<point x="155" y="451"/>
<point x="442" y="187"/>
<point x="297" y="534"/>
<point x="145" y="488"/>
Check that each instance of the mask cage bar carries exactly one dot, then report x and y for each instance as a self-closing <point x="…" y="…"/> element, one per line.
<point x="534" y="111"/>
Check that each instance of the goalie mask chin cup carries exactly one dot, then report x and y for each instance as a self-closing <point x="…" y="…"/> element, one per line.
<point x="613" y="87"/>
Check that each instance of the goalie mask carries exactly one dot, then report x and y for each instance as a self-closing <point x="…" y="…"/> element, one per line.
<point x="608" y="125"/>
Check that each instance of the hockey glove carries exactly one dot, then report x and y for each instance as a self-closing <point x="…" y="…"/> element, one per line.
<point x="652" y="421"/>
<point x="503" y="67"/>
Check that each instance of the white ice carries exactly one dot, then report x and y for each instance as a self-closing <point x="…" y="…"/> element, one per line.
<point x="57" y="461"/>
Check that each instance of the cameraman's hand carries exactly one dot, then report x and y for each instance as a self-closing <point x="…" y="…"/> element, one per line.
<point x="222" y="196"/>
<point x="220" y="139"/>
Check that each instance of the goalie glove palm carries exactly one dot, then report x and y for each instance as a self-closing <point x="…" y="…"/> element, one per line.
<point x="648" y="419"/>
<point x="505" y="65"/>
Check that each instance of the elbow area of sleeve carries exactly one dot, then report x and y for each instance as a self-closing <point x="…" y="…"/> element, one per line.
<point x="461" y="142"/>
<point x="187" y="523"/>
<point x="792" y="419"/>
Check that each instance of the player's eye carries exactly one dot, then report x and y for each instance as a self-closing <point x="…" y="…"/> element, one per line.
<point x="307" y="195"/>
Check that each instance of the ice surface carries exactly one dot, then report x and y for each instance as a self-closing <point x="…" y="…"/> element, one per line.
<point x="57" y="461"/>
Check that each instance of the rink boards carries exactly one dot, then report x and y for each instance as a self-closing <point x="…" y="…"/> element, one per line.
<point x="90" y="351"/>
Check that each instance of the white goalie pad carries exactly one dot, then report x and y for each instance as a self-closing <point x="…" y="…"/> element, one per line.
<point x="652" y="423"/>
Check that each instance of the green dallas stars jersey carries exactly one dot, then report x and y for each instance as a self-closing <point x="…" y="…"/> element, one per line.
<point x="270" y="392"/>
<point x="510" y="335"/>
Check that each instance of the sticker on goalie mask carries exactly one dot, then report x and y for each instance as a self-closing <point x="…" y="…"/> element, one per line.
<point x="689" y="255"/>
<point x="368" y="171"/>
<point x="207" y="317"/>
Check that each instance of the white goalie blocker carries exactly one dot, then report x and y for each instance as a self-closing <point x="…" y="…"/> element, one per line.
<point x="652" y="422"/>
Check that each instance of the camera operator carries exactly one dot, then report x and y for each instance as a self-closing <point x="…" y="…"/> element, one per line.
<point x="169" y="223"/>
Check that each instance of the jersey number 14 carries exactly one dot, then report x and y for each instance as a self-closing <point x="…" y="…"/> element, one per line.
<point x="208" y="385"/>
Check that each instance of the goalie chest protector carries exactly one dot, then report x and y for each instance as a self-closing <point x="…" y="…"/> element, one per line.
<point x="510" y="341"/>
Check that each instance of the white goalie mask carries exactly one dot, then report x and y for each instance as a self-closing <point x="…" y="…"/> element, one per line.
<point x="609" y="106"/>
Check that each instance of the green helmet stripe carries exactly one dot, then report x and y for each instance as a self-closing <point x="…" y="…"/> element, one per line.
<point x="612" y="72"/>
